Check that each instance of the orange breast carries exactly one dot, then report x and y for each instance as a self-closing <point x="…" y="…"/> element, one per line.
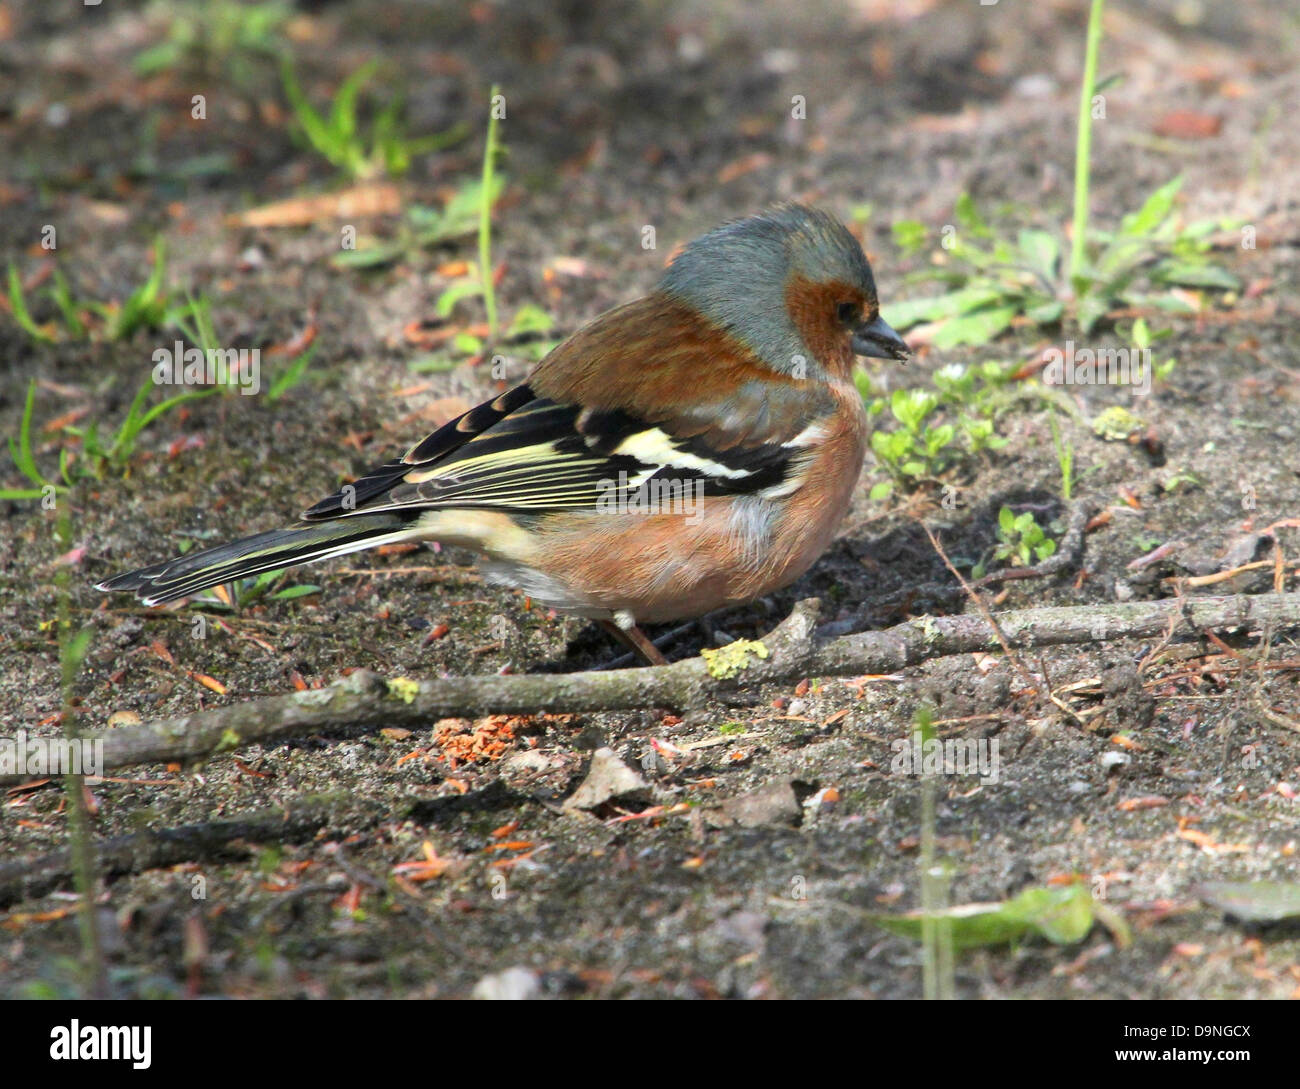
<point x="662" y="567"/>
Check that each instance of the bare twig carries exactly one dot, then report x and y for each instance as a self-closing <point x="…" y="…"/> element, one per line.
<point x="300" y="818"/>
<point x="989" y="618"/>
<point x="365" y="700"/>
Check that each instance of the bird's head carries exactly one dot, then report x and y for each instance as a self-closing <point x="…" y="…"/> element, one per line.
<point x="793" y="285"/>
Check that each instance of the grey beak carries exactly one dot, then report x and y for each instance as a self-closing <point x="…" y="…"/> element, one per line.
<point x="877" y="340"/>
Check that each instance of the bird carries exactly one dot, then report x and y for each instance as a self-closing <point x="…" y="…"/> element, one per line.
<point x="693" y="449"/>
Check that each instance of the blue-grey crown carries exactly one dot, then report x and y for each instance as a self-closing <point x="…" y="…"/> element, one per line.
<point x="736" y="275"/>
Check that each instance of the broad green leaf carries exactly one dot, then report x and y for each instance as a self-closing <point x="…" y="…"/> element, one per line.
<point x="1253" y="901"/>
<point x="975" y="328"/>
<point x="1154" y="212"/>
<point x="969" y="218"/>
<point x="938" y="274"/>
<point x="461" y="289"/>
<point x="978" y="259"/>
<point x="879" y="443"/>
<point x="1041" y="251"/>
<point x="295" y="591"/>
<point x="158" y="58"/>
<point x="1171" y="303"/>
<point x="1203" y="227"/>
<point x="1004" y="253"/>
<point x="1062" y="915"/>
<point x="1046" y="313"/>
<point x="385" y="253"/>
<point x="905" y="314"/>
<point x="909" y="235"/>
<point x="937" y="438"/>
<point x="464" y="203"/>
<point x="1194" y="275"/>
<point x="530" y="318"/>
<point x="1122" y="255"/>
<point x="1091" y="309"/>
<point x="911" y="406"/>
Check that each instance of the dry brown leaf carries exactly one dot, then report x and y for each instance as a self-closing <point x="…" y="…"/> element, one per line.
<point x="371" y="199"/>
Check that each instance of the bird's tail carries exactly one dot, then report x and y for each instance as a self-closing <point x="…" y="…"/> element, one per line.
<point x="303" y="543"/>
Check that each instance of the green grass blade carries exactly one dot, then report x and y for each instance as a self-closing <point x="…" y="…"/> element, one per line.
<point x="292" y="374"/>
<point x="147" y="305"/>
<point x="67" y="305"/>
<point x="485" y="215"/>
<point x="1083" y="143"/>
<point x="343" y="111"/>
<point x="1154" y="211"/>
<point x="21" y="450"/>
<point x="319" y="133"/>
<point x="18" y="305"/>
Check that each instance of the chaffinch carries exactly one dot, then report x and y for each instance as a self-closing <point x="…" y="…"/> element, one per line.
<point x="693" y="449"/>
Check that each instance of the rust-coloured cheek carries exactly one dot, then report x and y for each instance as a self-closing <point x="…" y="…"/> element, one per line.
<point x="812" y="308"/>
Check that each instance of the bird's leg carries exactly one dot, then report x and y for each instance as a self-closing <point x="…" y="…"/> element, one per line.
<point x="635" y="640"/>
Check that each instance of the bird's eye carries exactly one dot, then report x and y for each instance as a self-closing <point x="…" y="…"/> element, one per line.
<point x="849" y="313"/>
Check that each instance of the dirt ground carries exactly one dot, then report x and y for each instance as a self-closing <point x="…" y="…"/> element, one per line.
<point x="675" y="115"/>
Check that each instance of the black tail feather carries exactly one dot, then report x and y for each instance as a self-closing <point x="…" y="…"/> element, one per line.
<point x="186" y="575"/>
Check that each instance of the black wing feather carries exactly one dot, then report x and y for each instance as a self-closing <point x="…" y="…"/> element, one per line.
<point x="525" y="454"/>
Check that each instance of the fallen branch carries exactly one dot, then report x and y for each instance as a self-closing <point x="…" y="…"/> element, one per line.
<point x="298" y="819"/>
<point x="367" y="701"/>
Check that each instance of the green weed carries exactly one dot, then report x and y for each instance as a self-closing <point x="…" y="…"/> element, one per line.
<point x="938" y="428"/>
<point x="245" y="592"/>
<point x="20" y="449"/>
<point x="425" y="227"/>
<point x="382" y="148"/>
<point x="194" y="320"/>
<point x="1021" y="540"/>
<point x="81" y="319"/>
<point x="993" y="281"/>
<point x="222" y="37"/>
<point x="100" y="455"/>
